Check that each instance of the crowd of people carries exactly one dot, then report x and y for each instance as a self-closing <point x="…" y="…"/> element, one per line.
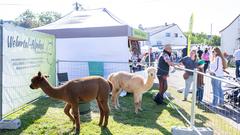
<point x="209" y="60"/>
<point x="205" y="59"/>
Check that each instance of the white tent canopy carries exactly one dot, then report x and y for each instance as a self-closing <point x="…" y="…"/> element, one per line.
<point x="90" y="35"/>
<point x="93" y="35"/>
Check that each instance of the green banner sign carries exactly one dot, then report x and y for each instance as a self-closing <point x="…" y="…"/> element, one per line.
<point x="25" y="52"/>
<point x="139" y="34"/>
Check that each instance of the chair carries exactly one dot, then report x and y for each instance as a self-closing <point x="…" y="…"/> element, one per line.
<point x="62" y="78"/>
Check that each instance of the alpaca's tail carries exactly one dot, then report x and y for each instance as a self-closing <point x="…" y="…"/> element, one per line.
<point x="110" y="81"/>
<point x="110" y="84"/>
<point x="110" y="77"/>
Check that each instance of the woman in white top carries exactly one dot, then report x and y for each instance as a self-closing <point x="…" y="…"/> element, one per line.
<point x="217" y="67"/>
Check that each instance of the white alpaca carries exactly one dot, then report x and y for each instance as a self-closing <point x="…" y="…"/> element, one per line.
<point x="131" y="83"/>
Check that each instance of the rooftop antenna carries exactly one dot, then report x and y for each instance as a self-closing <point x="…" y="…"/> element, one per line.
<point x="77" y="6"/>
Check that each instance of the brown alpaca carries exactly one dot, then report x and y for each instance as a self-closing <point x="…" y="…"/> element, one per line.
<point x="131" y="83"/>
<point x="83" y="89"/>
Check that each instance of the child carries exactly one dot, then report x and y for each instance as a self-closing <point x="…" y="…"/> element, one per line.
<point x="200" y="82"/>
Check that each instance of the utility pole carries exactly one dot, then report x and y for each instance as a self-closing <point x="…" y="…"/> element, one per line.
<point x="211" y="30"/>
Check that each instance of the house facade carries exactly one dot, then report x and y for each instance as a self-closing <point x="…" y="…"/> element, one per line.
<point x="166" y="34"/>
<point x="230" y="36"/>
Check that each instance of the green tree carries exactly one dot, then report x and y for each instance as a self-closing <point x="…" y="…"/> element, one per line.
<point x="202" y="38"/>
<point x="215" y="41"/>
<point x="27" y="19"/>
<point x="48" y="17"/>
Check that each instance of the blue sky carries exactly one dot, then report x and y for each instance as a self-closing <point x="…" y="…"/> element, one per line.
<point x="219" y="13"/>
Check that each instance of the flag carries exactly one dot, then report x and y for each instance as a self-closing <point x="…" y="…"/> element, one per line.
<point x="190" y="34"/>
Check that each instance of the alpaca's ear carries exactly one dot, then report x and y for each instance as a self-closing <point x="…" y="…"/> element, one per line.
<point x="39" y="74"/>
<point x="155" y="69"/>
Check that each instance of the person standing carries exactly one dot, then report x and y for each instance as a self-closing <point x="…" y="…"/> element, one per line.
<point x="236" y="55"/>
<point x="200" y="81"/>
<point x="206" y="58"/>
<point x="133" y="60"/>
<point x="217" y="67"/>
<point x="184" y="51"/>
<point x="189" y="63"/>
<point x="199" y="52"/>
<point x="164" y="63"/>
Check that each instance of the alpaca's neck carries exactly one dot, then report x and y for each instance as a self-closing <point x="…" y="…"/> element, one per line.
<point x="148" y="84"/>
<point x="49" y="90"/>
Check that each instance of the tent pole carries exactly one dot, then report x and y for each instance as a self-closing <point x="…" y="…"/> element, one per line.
<point x="1" y="66"/>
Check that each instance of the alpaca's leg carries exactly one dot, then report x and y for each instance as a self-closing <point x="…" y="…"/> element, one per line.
<point x="67" y="112"/>
<point x="140" y="103"/>
<point x="75" y="111"/>
<point x="114" y="98"/>
<point x="105" y="111"/>
<point x="117" y="98"/>
<point x="136" y="102"/>
<point x="101" y="112"/>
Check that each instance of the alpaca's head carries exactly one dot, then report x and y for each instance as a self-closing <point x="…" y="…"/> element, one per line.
<point x="36" y="80"/>
<point x="151" y="72"/>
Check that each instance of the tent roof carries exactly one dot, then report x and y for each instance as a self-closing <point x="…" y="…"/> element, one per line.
<point x="91" y="23"/>
<point x="87" y="23"/>
<point x="100" y="17"/>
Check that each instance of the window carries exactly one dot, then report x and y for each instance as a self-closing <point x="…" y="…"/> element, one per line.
<point x="168" y="34"/>
<point x="159" y="43"/>
<point x="175" y="35"/>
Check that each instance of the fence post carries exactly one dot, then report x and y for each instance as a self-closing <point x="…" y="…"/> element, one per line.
<point x="194" y="98"/>
<point x="1" y="66"/>
<point x="57" y="71"/>
<point x="149" y="58"/>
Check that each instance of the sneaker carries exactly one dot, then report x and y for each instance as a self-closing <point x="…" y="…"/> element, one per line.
<point x="180" y="90"/>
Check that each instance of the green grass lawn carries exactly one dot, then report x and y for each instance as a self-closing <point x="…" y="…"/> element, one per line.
<point x="46" y="116"/>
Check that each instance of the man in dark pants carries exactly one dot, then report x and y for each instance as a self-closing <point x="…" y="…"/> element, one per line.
<point x="184" y="51"/>
<point x="236" y="55"/>
<point x="163" y="70"/>
<point x="199" y="52"/>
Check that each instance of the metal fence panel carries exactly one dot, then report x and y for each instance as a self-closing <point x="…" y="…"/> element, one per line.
<point x="1" y="66"/>
<point x="224" y="119"/>
<point x="24" y="53"/>
<point x="78" y="69"/>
